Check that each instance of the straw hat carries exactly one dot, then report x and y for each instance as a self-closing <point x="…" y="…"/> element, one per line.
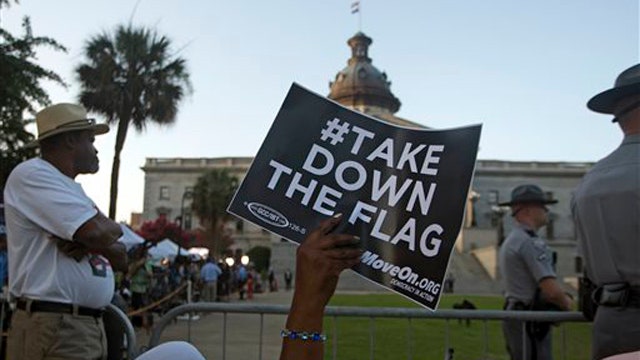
<point x="64" y="117"/>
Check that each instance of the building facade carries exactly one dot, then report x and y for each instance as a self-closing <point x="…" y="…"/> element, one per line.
<point x="362" y="87"/>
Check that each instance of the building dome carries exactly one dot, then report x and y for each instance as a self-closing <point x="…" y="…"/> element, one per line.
<point x="360" y="85"/>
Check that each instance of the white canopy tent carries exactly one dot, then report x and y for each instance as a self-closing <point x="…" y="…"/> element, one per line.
<point x="166" y="249"/>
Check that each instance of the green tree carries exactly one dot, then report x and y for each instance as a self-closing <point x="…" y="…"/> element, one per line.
<point x="260" y="257"/>
<point x="20" y="92"/>
<point x="133" y="79"/>
<point x="212" y="194"/>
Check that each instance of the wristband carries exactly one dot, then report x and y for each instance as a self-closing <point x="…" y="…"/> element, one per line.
<point x="303" y="335"/>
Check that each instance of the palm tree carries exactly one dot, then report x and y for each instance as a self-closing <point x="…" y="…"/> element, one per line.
<point x="212" y="194"/>
<point x="131" y="78"/>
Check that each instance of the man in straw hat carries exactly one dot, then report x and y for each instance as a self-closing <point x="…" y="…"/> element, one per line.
<point x="527" y="268"/>
<point x="61" y="247"/>
<point x="606" y="211"/>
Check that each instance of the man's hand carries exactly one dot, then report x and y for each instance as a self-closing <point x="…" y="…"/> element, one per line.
<point x="72" y="249"/>
<point x="553" y="293"/>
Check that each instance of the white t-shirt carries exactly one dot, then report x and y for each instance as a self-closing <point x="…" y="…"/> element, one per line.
<point x="40" y="201"/>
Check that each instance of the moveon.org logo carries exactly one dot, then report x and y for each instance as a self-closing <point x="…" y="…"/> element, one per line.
<point x="268" y="215"/>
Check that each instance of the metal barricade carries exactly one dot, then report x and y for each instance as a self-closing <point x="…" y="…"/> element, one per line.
<point x="360" y="312"/>
<point x="118" y="326"/>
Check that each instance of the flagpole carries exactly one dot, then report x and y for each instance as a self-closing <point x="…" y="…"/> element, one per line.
<point x="355" y="8"/>
<point x="359" y="18"/>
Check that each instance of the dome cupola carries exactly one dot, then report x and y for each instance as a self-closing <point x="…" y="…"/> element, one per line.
<point x="360" y="85"/>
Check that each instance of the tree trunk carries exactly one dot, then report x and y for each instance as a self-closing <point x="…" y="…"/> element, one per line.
<point x="123" y="125"/>
<point x="214" y="237"/>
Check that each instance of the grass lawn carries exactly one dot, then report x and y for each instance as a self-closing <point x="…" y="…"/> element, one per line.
<point x="428" y="339"/>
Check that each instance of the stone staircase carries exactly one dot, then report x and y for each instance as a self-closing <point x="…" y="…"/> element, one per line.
<point x="470" y="277"/>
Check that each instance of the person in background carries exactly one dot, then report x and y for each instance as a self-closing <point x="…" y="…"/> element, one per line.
<point x="320" y="259"/>
<point x="224" y="287"/>
<point x="288" y="277"/>
<point x="526" y="265"/>
<point x="250" y="283"/>
<point x="209" y="274"/>
<point x="606" y="211"/>
<point x="140" y="276"/>
<point x="241" y="278"/>
<point x="273" y="283"/>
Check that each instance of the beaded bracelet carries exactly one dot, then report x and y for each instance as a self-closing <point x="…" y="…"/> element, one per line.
<point x="303" y="335"/>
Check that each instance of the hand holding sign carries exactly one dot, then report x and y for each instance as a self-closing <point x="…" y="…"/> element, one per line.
<point x="402" y="191"/>
<point x="320" y="259"/>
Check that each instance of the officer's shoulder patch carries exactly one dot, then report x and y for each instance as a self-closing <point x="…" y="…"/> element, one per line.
<point x="541" y="249"/>
<point x="539" y="243"/>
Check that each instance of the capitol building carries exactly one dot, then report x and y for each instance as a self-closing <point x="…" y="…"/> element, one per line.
<point x="362" y="87"/>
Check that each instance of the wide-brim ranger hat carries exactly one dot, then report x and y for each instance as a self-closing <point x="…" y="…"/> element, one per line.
<point x="627" y="84"/>
<point x="528" y="194"/>
<point x="65" y="117"/>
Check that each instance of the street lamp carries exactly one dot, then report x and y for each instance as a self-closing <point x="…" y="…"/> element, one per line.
<point x="244" y="260"/>
<point x="230" y="261"/>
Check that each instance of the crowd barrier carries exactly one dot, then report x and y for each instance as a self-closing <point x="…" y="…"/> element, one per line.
<point x="372" y="313"/>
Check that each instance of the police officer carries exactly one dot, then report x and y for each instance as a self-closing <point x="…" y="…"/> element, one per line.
<point x="526" y="265"/>
<point x="606" y="211"/>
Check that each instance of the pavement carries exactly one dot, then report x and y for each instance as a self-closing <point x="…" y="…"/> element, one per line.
<point x="243" y="331"/>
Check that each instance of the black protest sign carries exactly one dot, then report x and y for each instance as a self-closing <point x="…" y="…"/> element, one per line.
<point x="402" y="191"/>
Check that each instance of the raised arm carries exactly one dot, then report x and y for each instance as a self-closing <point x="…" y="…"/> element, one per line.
<point x="319" y="261"/>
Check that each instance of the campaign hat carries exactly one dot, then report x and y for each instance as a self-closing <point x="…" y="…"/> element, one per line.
<point x="65" y="117"/>
<point x="626" y="84"/>
<point x="528" y="194"/>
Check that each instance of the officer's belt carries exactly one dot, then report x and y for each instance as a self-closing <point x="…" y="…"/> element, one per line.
<point x="622" y="296"/>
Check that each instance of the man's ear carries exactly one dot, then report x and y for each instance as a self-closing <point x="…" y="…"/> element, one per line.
<point x="67" y="141"/>
<point x="70" y="140"/>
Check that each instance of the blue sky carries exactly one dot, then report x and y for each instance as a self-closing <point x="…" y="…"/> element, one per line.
<point x="523" y="69"/>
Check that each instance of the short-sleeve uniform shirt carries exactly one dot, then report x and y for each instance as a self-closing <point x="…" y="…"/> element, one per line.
<point x="606" y="211"/>
<point x="524" y="260"/>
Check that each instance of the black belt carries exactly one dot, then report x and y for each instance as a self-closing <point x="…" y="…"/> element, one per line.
<point x="55" y="307"/>
<point x="618" y="295"/>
